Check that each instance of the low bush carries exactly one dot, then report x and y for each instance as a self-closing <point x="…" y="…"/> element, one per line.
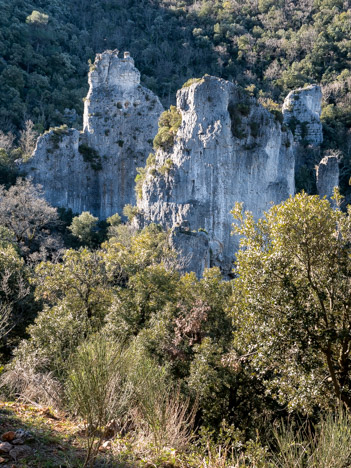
<point x="169" y="124"/>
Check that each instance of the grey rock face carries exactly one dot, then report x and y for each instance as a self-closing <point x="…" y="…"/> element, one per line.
<point x="228" y="149"/>
<point x="302" y="111"/>
<point x="193" y="249"/>
<point x="327" y="176"/>
<point x="59" y="167"/>
<point x="95" y="170"/>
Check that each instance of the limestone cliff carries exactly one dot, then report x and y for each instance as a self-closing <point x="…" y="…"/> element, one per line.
<point x="314" y="173"/>
<point x="327" y="175"/>
<point x="228" y="149"/>
<point x="95" y="170"/>
<point x="302" y="111"/>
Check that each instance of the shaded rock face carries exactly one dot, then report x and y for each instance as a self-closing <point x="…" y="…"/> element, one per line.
<point x="327" y="173"/>
<point x="228" y="149"/>
<point x="95" y="170"/>
<point x="193" y="249"/>
<point x="60" y="168"/>
<point x="302" y="111"/>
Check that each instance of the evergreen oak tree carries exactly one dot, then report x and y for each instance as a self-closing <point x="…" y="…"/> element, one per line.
<point x="292" y="301"/>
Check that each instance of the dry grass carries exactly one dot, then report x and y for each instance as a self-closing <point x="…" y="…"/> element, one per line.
<point x="25" y="380"/>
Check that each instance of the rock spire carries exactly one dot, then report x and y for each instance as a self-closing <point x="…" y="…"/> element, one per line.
<point x="95" y="170"/>
<point x="228" y="149"/>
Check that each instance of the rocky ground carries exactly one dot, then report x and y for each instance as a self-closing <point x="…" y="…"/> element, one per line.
<point x="33" y="436"/>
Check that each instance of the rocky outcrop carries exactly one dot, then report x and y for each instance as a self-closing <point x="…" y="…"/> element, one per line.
<point x="95" y="170"/>
<point x="193" y="248"/>
<point x="302" y="111"/>
<point x="228" y="149"/>
<point x="327" y="173"/>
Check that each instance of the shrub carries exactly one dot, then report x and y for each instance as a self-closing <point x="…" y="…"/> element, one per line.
<point x="139" y="180"/>
<point x="169" y="124"/>
<point x="243" y="108"/>
<point x="91" y="156"/>
<point x="83" y="227"/>
<point x="29" y="377"/>
<point x="114" y="220"/>
<point x="162" y="412"/>
<point x="130" y="211"/>
<point x="191" y="82"/>
<point x="255" y="128"/>
<point x="167" y="166"/>
<point x="327" y="445"/>
<point x="56" y="135"/>
<point x="96" y="389"/>
<point x="236" y="124"/>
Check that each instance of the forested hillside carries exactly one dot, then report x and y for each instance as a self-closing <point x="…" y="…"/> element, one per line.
<point x="265" y="45"/>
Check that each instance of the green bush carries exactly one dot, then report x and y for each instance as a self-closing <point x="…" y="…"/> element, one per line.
<point x="96" y="388"/>
<point x="163" y="412"/>
<point x="326" y="445"/>
<point x="191" y="81"/>
<point x="169" y="124"/>
<point x="166" y="167"/>
<point x="91" y="156"/>
<point x="130" y="211"/>
<point x="139" y="180"/>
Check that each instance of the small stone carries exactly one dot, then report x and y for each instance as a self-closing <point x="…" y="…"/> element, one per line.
<point x="2" y="460"/>
<point x="5" y="447"/>
<point x="18" y="442"/>
<point x="24" y="436"/>
<point x="20" y="434"/>
<point x="20" y="451"/>
<point x="105" y="446"/>
<point x="8" y="436"/>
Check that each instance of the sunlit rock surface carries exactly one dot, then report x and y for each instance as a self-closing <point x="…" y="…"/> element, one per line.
<point x="228" y="149"/>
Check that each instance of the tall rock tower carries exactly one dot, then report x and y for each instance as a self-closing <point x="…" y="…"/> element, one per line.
<point x="95" y="170"/>
<point x="228" y="149"/>
<point x="302" y="110"/>
<point x="315" y="172"/>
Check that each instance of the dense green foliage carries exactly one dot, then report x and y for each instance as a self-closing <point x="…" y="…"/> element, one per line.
<point x="271" y="343"/>
<point x="292" y="301"/>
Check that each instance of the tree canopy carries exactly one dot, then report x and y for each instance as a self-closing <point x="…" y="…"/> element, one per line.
<point x="292" y="300"/>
